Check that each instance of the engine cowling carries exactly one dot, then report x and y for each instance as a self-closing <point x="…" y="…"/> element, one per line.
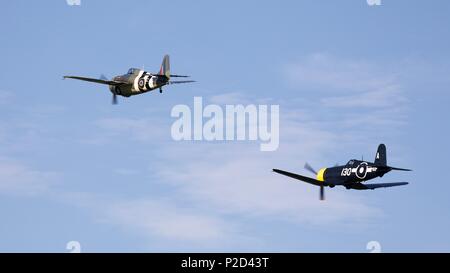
<point x="115" y="89"/>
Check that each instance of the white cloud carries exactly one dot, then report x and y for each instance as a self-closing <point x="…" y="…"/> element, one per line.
<point x="357" y="95"/>
<point x="327" y="72"/>
<point x="229" y="98"/>
<point x="5" y="97"/>
<point x="386" y="96"/>
<point x="166" y="220"/>
<point x="17" y="179"/>
<point x="139" y="129"/>
<point x="163" y="222"/>
<point x="126" y="172"/>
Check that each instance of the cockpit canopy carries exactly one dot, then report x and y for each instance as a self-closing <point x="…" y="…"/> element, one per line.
<point x="133" y="70"/>
<point x="351" y="162"/>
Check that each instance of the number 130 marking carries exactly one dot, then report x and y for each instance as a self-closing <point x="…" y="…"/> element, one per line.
<point x="346" y="172"/>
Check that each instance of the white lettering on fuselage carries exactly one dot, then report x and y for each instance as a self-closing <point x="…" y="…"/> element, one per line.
<point x="360" y="171"/>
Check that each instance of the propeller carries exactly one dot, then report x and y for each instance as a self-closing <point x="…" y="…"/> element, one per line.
<point x="309" y="168"/>
<point x="322" y="188"/>
<point x="114" y="97"/>
<point x="322" y="193"/>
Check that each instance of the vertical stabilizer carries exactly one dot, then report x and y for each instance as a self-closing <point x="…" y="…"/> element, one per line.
<point x="165" y="67"/>
<point x="380" y="157"/>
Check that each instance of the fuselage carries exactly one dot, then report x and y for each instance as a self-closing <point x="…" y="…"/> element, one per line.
<point x="138" y="82"/>
<point x="355" y="171"/>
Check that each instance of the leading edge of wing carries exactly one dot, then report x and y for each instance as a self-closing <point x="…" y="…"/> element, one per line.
<point x="383" y="185"/>
<point x="94" y="80"/>
<point x="299" y="177"/>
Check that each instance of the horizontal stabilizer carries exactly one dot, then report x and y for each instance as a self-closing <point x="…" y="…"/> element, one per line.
<point x="361" y="186"/>
<point x="400" y="169"/>
<point x="389" y="168"/>
<point x="176" y="82"/>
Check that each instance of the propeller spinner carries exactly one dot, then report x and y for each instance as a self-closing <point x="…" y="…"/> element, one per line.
<point x="322" y="188"/>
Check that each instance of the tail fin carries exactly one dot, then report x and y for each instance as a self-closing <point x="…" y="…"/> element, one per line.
<point x="380" y="157"/>
<point x="165" y="67"/>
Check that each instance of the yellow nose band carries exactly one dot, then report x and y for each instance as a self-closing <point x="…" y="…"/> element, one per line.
<point x="320" y="174"/>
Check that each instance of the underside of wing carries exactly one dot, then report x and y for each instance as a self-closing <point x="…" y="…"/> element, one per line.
<point x="299" y="177"/>
<point x="361" y="186"/>
<point x="95" y="80"/>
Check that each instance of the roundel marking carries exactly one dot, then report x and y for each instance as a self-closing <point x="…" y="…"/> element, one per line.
<point x="361" y="170"/>
<point x="141" y="83"/>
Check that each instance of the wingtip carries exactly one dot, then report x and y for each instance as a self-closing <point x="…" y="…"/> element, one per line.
<point x="277" y="171"/>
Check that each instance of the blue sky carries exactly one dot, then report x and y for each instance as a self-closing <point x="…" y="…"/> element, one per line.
<point x="347" y="76"/>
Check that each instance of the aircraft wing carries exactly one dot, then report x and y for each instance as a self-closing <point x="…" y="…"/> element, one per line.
<point x="299" y="177"/>
<point x="382" y="185"/>
<point x="95" y="80"/>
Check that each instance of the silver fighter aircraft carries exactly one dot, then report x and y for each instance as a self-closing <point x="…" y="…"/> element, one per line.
<point x="136" y="81"/>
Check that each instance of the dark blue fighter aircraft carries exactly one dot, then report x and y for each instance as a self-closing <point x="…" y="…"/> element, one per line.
<point x="352" y="175"/>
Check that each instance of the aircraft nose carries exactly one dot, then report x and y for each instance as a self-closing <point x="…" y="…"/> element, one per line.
<point x="321" y="174"/>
